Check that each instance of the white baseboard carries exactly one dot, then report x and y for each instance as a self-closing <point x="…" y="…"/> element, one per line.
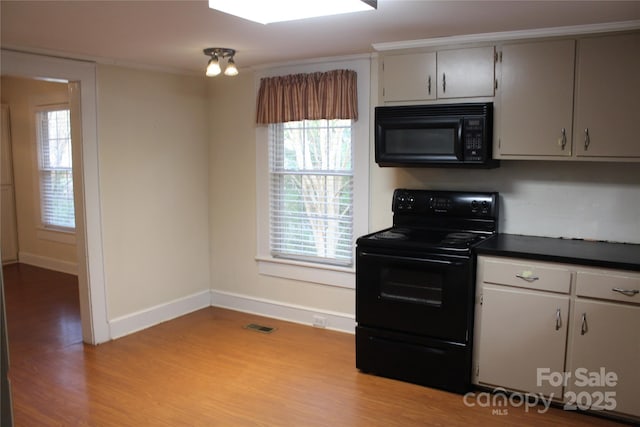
<point x="48" y="263"/>
<point x="342" y="322"/>
<point x="143" y="319"/>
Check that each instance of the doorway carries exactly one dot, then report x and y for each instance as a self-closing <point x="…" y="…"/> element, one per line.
<point x="37" y="166"/>
<point x="36" y="172"/>
<point x="81" y="80"/>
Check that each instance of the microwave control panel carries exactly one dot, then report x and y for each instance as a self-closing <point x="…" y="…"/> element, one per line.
<point x="473" y="135"/>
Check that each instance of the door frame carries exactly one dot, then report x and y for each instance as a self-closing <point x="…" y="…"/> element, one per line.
<point x="91" y="275"/>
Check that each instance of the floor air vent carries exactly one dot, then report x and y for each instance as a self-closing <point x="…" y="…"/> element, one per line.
<point x="260" y="328"/>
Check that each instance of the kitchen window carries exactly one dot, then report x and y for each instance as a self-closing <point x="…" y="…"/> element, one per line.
<point x="53" y="133"/>
<point x="312" y="189"/>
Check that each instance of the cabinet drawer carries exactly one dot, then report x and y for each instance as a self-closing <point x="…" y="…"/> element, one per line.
<point x="614" y="286"/>
<point x="538" y="276"/>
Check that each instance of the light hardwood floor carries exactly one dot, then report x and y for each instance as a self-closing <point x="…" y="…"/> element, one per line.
<point x="206" y="369"/>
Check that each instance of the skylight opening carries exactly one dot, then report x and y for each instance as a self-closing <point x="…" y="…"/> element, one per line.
<point x="268" y="11"/>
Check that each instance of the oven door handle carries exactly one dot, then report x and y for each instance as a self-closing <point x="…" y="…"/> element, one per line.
<point x="413" y="259"/>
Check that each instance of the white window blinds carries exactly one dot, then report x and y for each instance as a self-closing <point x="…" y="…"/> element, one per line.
<point x="311" y="191"/>
<point x="55" y="167"/>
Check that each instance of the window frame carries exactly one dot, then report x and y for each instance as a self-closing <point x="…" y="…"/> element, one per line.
<point x="327" y="274"/>
<point x="49" y="231"/>
<point x="279" y="172"/>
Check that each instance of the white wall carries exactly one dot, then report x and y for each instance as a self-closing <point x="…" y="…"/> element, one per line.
<point x="153" y="151"/>
<point x="232" y="201"/>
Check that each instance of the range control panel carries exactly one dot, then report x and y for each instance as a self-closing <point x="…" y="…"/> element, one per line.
<point x="445" y="203"/>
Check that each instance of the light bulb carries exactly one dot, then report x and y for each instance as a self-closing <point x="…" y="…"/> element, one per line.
<point x="231" y="69"/>
<point x="213" y="68"/>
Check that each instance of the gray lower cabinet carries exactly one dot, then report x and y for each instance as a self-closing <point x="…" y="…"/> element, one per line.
<point x="567" y="332"/>
<point x="604" y="352"/>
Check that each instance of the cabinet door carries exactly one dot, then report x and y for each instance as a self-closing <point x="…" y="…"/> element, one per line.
<point x="466" y="72"/>
<point x="521" y="332"/>
<point x="605" y="336"/>
<point x="608" y="96"/>
<point x="536" y="94"/>
<point x="409" y="77"/>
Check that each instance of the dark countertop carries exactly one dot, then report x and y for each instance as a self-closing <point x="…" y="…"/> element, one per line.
<point x="621" y="256"/>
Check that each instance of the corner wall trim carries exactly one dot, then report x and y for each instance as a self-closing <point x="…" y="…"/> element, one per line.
<point x="152" y="316"/>
<point x="341" y="322"/>
<point x="48" y="263"/>
<point x="143" y="319"/>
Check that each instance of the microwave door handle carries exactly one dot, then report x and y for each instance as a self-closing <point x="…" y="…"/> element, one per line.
<point x="458" y="143"/>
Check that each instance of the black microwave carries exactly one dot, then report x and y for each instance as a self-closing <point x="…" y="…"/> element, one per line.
<point x="441" y="135"/>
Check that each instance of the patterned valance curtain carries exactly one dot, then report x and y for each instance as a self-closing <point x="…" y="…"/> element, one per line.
<point x="323" y="95"/>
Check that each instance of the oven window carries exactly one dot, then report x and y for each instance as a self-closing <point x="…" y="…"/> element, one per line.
<point x="406" y="285"/>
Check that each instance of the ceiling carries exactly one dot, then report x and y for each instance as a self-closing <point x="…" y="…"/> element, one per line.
<point x="170" y="35"/>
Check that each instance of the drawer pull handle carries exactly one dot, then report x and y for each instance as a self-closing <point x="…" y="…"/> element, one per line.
<point x="584" y="328"/>
<point x="558" y="320"/>
<point x="627" y="292"/>
<point x="587" y="139"/>
<point x="563" y="139"/>
<point x="527" y="278"/>
<point x="429" y="85"/>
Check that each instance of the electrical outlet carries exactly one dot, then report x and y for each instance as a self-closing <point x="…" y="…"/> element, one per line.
<point x="319" y="321"/>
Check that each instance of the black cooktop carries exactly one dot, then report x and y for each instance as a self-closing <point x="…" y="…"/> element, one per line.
<point x="424" y="239"/>
<point x="439" y="221"/>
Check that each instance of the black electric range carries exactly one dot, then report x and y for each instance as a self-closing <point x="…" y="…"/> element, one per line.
<point x="415" y="287"/>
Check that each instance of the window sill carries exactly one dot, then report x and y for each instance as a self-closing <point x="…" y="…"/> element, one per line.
<point x="342" y="277"/>
<point x="60" y="236"/>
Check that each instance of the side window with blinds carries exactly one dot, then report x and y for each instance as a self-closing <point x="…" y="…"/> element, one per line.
<point x="311" y="191"/>
<point x="55" y="167"/>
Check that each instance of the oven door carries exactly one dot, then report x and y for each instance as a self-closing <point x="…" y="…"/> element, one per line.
<point x="429" y="295"/>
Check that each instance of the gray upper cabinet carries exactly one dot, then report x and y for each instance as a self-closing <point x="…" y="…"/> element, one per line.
<point x="608" y="96"/>
<point x="570" y="99"/>
<point x="455" y="73"/>
<point x="409" y="77"/>
<point x="563" y="98"/>
<point x="536" y="105"/>
<point x="466" y="73"/>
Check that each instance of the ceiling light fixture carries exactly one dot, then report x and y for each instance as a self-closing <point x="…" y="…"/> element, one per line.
<point x="216" y="54"/>
<point x="265" y="12"/>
